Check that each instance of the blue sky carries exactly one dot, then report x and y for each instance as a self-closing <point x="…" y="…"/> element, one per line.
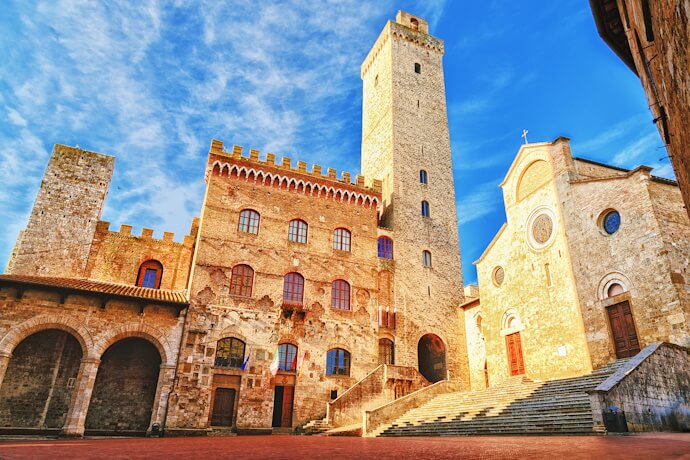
<point x="153" y="82"/>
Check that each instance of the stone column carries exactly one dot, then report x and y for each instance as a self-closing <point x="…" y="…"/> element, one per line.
<point x="4" y="362"/>
<point x="76" y="414"/>
<point x="166" y="378"/>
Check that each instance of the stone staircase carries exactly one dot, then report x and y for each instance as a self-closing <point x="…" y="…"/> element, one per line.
<point x="315" y="427"/>
<point x="517" y="406"/>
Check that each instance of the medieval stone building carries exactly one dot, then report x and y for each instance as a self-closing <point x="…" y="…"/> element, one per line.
<point x="591" y="266"/>
<point x="292" y="285"/>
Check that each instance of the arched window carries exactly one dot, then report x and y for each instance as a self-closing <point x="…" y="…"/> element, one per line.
<point x="423" y="178"/>
<point x="414" y="23"/>
<point x="293" y="289"/>
<point x="150" y="274"/>
<point x="341" y="239"/>
<point x="340" y="295"/>
<point x="425" y="208"/>
<point x="386" y="351"/>
<point x="249" y="221"/>
<point x="242" y="280"/>
<point x="287" y="357"/>
<point x="297" y="231"/>
<point x="229" y="352"/>
<point x="426" y="258"/>
<point x="338" y="362"/>
<point x="385" y="247"/>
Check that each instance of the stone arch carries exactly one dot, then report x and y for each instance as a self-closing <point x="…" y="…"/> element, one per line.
<point x="610" y="279"/>
<point x="431" y="357"/>
<point x="533" y="177"/>
<point x="18" y="333"/>
<point x="510" y="321"/>
<point x="143" y="331"/>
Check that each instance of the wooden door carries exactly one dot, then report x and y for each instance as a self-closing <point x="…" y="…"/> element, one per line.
<point x="223" y="407"/>
<point x="515" y="361"/>
<point x="623" y="330"/>
<point x="288" y="398"/>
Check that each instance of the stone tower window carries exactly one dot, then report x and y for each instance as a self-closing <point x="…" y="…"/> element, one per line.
<point x="229" y="353"/>
<point x="242" y="280"/>
<point x="340" y="295"/>
<point x="150" y="274"/>
<point x="293" y="289"/>
<point x="341" y="239"/>
<point x="425" y="208"/>
<point x="414" y="23"/>
<point x="423" y="177"/>
<point x="417" y="67"/>
<point x="297" y="231"/>
<point x="376" y="81"/>
<point x="338" y="362"/>
<point x="498" y="275"/>
<point x="249" y="221"/>
<point x="426" y="258"/>
<point x="385" y="248"/>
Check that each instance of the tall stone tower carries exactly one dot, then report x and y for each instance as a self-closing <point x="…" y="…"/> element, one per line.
<point x="405" y="143"/>
<point x="57" y="239"/>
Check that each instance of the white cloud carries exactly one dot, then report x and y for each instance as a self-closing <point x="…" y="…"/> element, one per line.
<point x="482" y="201"/>
<point x="636" y="149"/>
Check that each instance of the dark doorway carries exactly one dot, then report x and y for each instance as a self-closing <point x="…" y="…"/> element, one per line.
<point x="623" y="330"/>
<point x="223" y="407"/>
<point x="40" y="380"/>
<point x="515" y="358"/>
<point x="431" y="354"/>
<point x="125" y="388"/>
<point x="282" y="406"/>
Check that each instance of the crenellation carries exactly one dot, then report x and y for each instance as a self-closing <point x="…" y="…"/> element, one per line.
<point x="125" y="230"/>
<point x="302" y="166"/>
<point x="147" y="233"/>
<point x="254" y="154"/>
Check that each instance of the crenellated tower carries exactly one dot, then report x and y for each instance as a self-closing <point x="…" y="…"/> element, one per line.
<point x="406" y="144"/>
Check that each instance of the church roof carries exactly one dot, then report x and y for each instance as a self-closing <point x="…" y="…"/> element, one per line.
<point x="81" y="286"/>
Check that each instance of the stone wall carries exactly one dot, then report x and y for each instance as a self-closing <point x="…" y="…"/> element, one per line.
<point x="638" y="257"/>
<point x="116" y="256"/>
<point x="57" y="239"/>
<point x="476" y="344"/>
<point x="40" y="381"/>
<point x="662" y="65"/>
<point x="653" y="389"/>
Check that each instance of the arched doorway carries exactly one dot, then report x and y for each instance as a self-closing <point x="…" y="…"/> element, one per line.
<point x="39" y="382"/>
<point x="125" y="388"/>
<point x="431" y="354"/>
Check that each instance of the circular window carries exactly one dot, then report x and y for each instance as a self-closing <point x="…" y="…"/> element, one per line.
<point x="611" y="222"/>
<point x="498" y="275"/>
<point x="541" y="228"/>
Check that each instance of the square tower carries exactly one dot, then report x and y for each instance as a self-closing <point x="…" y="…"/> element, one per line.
<point x="406" y="144"/>
<point x="57" y="239"/>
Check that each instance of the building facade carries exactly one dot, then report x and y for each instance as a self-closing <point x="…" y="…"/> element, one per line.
<point x="591" y="266"/>
<point x="652" y="37"/>
<point x="293" y="284"/>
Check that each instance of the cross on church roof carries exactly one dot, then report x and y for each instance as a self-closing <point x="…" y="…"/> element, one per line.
<point x="524" y="134"/>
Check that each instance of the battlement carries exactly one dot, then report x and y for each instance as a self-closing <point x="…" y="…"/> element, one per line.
<point x="285" y="166"/>
<point x="405" y="27"/>
<point x="103" y="227"/>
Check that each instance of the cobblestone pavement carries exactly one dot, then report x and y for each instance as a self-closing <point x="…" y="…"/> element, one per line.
<point x="647" y="446"/>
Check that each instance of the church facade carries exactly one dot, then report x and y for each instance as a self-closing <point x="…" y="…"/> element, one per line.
<point x="591" y="266"/>
<point x="293" y="284"/>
